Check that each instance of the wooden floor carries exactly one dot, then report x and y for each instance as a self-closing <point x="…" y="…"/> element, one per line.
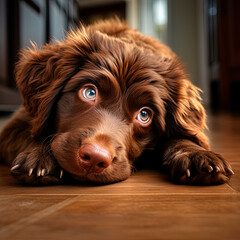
<point x="146" y="206"/>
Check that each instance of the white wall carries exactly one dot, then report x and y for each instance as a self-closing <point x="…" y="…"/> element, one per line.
<point x="183" y="37"/>
<point x="187" y="37"/>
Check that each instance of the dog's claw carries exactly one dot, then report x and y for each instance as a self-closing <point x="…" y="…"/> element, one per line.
<point x="230" y="170"/>
<point x="15" y="167"/>
<point x="30" y="172"/>
<point x="210" y="169"/>
<point x="43" y="172"/>
<point x="217" y="169"/>
<point x="61" y="173"/>
<point x="39" y="172"/>
<point x="188" y="173"/>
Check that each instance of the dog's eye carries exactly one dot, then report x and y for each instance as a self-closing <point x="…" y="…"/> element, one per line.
<point x="144" y="116"/>
<point x="89" y="93"/>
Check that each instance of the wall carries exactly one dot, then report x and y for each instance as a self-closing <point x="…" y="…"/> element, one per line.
<point x="3" y="43"/>
<point x="183" y="34"/>
<point x="186" y="35"/>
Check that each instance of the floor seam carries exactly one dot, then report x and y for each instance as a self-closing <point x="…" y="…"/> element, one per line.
<point x="231" y="187"/>
<point x="128" y="194"/>
<point x="23" y="223"/>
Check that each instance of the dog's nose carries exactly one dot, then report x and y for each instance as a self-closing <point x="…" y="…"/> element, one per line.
<point x="94" y="158"/>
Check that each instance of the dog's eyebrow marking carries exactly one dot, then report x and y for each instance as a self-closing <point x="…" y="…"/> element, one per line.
<point x="102" y="78"/>
<point x="141" y="95"/>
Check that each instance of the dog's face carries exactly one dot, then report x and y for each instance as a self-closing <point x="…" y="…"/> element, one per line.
<point x="104" y="101"/>
<point x="107" y="118"/>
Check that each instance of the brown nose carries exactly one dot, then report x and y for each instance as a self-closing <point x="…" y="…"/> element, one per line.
<point x="94" y="158"/>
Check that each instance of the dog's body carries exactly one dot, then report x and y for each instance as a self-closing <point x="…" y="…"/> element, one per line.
<point x="96" y="101"/>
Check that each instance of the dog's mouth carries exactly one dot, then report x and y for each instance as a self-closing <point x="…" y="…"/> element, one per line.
<point x="116" y="172"/>
<point x="92" y="161"/>
<point x="97" y="165"/>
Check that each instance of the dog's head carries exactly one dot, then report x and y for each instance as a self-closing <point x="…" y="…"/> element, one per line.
<point x="105" y="100"/>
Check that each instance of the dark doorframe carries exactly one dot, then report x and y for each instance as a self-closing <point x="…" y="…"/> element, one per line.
<point x="12" y="39"/>
<point x="229" y="52"/>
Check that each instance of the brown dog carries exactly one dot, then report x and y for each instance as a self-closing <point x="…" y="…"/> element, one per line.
<point x="94" y="102"/>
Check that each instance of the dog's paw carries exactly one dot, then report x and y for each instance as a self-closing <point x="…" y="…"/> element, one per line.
<point x="36" y="168"/>
<point x="200" y="168"/>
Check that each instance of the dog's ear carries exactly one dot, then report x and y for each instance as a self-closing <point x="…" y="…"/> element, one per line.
<point x="41" y="75"/>
<point x="185" y="115"/>
<point x="36" y="79"/>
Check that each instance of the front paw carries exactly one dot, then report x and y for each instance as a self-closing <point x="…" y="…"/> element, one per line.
<point x="36" y="168"/>
<point x="199" y="167"/>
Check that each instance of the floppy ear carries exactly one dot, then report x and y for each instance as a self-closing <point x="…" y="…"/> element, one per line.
<point x="36" y="73"/>
<point x="185" y="115"/>
<point x="41" y="75"/>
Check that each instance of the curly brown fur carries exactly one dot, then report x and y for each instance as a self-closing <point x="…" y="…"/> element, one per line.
<point x="140" y="99"/>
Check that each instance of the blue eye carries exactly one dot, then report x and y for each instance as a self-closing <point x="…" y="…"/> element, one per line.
<point x="89" y="93"/>
<point x="143" y="116"/>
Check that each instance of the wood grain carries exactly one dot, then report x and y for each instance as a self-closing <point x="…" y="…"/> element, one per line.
<point x="146" y="206"/>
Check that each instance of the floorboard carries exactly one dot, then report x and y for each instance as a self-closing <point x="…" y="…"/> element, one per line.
<point x="146" y="206"/>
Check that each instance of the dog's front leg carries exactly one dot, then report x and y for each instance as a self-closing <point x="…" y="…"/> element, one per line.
<point x="36" y="166"/>
<point x="31" y="161"/>
<point x="189" y="163"/>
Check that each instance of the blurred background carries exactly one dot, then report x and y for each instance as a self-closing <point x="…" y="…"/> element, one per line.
<point x="204" y="33"/>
